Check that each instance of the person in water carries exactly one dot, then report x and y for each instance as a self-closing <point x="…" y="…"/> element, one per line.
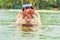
<point x="28" y="16"/>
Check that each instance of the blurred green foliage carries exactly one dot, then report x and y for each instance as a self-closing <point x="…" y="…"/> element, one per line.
<point x="37" y="4"/>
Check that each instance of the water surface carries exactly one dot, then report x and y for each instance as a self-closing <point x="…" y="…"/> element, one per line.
<point x="50" y="29"/>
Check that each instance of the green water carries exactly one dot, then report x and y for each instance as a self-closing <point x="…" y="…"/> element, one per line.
<point x="50" y="29"/>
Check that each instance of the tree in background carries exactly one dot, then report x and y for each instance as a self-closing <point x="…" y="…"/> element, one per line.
<point x="58" y="4"/>
<point x="37" y="4"/>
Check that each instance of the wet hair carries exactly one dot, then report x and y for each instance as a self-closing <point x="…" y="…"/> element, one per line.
<point x="27" y="8"/>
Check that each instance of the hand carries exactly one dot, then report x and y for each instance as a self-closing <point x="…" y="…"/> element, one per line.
<point x="27" y="18"/>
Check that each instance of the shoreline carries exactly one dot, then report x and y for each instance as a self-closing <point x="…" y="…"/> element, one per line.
<point x="36" y="10"/>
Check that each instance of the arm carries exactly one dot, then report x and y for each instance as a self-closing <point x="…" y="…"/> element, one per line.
<point x="19" y="17"/>
<point x="37" y="18"/>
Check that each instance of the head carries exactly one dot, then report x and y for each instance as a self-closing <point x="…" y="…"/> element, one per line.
<point x="28" y="11"/>
<point x="27" y="6"/>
